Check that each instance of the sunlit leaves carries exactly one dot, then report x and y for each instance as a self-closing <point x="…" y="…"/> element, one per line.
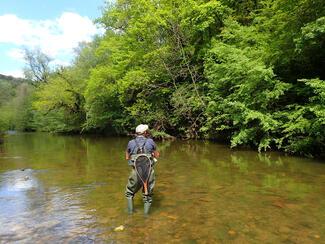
<point x="248" y="72"/>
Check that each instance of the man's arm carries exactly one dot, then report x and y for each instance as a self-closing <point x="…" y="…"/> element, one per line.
<point x="127" y="155"/>
<point x="128" y="150"/>
<point x="155" y="152"/>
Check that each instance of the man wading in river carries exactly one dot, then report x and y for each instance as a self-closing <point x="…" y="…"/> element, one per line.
<point x="141" y="154"/>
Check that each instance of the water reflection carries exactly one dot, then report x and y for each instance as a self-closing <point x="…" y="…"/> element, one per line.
<point x="30" y="211"/>
<point x="72" y="191"/>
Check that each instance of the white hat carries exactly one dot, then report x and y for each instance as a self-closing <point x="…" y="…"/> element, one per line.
<point x="141" y="128"/>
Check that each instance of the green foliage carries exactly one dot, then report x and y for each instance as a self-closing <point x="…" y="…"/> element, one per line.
<point x="303" y="126"/>
<point x="154" y="52"/>
<point x="249" y="72"/>
<point x="243" y="9"/>
<point x="312" y="36"/>
<point x="38" y="69"/>
<point x="309" y="48"/>
<point x="243" y="89"/>
<point x="7" y="92"/>
<point x="15" y="104"/>
<point x="59" y="103"/>
<point x="187" y="111"/>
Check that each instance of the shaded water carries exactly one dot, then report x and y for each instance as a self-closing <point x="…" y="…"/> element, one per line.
<point x="69" y="189"/>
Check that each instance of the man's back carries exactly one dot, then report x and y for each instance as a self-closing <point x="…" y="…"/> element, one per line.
<point x="140" y="141"/>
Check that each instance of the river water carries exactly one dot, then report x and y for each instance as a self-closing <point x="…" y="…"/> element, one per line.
<point x="70" y="189"/>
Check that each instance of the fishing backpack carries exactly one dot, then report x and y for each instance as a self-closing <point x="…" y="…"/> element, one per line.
<point x="140" y="152"/>
<point x="140" y="149"/>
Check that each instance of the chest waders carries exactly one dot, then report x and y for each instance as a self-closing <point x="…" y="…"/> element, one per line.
<point x="142" y="165"/>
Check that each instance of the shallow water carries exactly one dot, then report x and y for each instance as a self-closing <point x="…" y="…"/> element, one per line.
<point x="68" y="189"/>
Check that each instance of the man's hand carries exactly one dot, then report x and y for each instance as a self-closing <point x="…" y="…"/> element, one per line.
<point x="156" y="154"/>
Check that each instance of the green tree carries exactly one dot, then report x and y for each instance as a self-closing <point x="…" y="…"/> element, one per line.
<point x="37" y="69"/>
<point x="249" y="72"/>
<point x="243" y="89"/>
<point x="60" y="102"/>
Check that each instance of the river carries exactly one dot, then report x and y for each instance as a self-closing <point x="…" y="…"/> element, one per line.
<point x="70" y="189"/>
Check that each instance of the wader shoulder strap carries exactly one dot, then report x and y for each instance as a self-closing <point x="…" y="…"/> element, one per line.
<point x="143" y="145"/>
